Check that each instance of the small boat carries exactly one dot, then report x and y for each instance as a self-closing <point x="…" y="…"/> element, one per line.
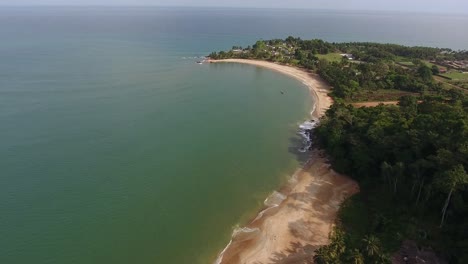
<point x="200" y="62"/>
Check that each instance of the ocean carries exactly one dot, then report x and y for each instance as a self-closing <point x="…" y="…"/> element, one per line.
<point x="116" y="147"/>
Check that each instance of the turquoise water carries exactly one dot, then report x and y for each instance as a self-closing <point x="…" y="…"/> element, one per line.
<point x="111" y="154"/>
<point x="116" y="147"/>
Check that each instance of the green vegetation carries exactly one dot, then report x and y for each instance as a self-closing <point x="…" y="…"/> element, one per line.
<point x="410" y="160"/>
<point x="377" y="72"/>
<point x="412" y="157"/>
<point x="349" y="80"/>
<point x="406" y="63"/>
<point x="331" y="57"/>
<point x="456" y="75"/>
<point x="461" y="84"/>
<point x="380" y="95"/>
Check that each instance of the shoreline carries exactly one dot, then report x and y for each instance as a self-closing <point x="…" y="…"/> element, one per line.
<point x="318" y="88"/>
<point x="299" y="217"/>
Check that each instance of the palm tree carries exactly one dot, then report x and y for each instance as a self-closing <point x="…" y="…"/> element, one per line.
<point x="419" y="168"/>
<point x="398" y="170"/>
<point x="338" y="245"/>
<point x="321" y="255"/>
<point x="451" y="181"/>
<point x="356" y="257"/>
<point x="383" y="258"/>
<point x="386" y="171"/>
<point x="371" y="245"/>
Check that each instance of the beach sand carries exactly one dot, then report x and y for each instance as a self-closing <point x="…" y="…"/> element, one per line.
<point x="298" y="218"/>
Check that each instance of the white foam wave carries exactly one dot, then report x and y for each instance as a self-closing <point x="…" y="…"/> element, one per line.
<point x="263" y="212"/>
<point x="271" y="202"/>
<point x="238" y="235"/>
<point x="305" y="130"/>
<point x="275" y="199"/>
<point x="313" y="109"/>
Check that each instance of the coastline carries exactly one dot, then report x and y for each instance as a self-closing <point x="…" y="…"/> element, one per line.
<point x="318" y="88"/>
<point x="299" y="218"/>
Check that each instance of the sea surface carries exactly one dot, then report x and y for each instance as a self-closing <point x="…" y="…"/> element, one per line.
<point x="116" y="147"/>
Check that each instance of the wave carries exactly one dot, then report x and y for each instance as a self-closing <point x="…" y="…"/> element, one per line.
<point x="305" y="130"/>
<point x="243" y="234"/>
<point x="272" y="202"/>
<point x="239" y="235"/>
<point x="275" y="199"/>
<point x="314" y="107"/>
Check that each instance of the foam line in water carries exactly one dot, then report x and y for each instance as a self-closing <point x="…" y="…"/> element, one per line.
<point x="305" y="130"/>
<point x="274" y="200"/>
<point x="314" y="106"/>
<point x="271" y="202"/>
<point x="239" y="235"/>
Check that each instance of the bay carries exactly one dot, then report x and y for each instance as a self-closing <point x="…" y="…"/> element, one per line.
<point x="116" y="147"/>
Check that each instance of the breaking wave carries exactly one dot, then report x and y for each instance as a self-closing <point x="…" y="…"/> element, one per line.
<point x="272" y="202"/>
<point x="243" y="234"/>
<point x="305" y="130"/>
<point x="239" y="235"/>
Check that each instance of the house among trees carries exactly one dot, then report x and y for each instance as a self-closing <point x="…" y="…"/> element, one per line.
<point x="348" y="56"/>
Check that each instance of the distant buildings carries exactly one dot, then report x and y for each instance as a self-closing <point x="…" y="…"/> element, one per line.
<point x="457" y="65"/>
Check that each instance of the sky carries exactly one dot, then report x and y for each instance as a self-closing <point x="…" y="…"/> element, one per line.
<point x="443" y="6"/>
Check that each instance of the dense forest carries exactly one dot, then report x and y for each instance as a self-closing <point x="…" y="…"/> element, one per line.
<point x="410" y="159"/>
<point x="349" y="79"/>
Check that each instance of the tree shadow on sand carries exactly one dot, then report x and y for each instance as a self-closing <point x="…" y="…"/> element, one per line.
<point x="297" y="253"/>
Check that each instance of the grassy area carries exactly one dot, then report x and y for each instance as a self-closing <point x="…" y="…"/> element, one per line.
<point x="400" y="59"/>
<point x="330" y="57"/>
<point x="430" y="64"/>
<point x="380" y="95"/>
<point x="406" y="63"/>
<point x="456" y="75"/>
<point x="403" y="61"/>
<point x="461" y="84"/>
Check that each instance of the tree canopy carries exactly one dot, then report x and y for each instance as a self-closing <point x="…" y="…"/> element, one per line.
<point x="416" y="154"/>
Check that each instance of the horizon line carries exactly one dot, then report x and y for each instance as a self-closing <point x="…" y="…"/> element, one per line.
<point x="236" y="7"/>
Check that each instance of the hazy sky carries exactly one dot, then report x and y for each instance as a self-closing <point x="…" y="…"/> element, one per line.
<point x="458" y="6"/>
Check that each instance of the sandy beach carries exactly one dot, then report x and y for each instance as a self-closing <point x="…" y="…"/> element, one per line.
<point x="297" y="219"/>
